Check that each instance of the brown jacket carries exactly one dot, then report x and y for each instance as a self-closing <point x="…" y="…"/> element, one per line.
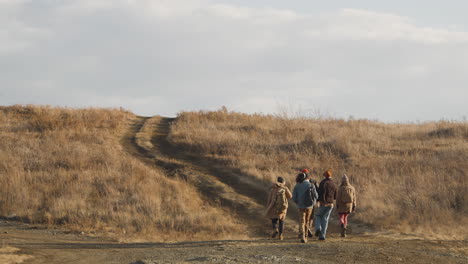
<point x="345" y="198"/>
<point x="327" y="191"/>
<point x="270" y="212"/>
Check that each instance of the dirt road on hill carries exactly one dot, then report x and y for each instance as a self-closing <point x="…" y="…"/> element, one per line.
<point x="241" y="195"/>
<point x="226" y="187"/>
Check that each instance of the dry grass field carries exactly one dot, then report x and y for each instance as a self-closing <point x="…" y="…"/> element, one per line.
<point x="106" y="186"/>
<point x="409" y="177"/>
<point x="100" y="170"/>
<point x="69" y="167"/>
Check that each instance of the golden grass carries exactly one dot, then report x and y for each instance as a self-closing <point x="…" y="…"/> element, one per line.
<point x="9" y="255"/>
<point x="409" y="177"/>
<point x="67" y="166"/>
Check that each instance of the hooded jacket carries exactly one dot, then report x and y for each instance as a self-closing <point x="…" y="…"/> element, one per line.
<point x="270" y="212"/>
<point x="345" y="197"/>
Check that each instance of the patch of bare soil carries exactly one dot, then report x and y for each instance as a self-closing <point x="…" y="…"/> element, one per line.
<point x="34" y="244"/>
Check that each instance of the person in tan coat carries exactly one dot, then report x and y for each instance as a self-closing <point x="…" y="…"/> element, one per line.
<point x="278" y="206"/>
<point x="345" y="202"/>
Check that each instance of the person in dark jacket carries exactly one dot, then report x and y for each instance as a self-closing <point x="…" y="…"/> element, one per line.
<point x="327" y="196"/>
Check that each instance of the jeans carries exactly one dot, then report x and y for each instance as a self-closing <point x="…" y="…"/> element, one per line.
<point x="321" y="220"/>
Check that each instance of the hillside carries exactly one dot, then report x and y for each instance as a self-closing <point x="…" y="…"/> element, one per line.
<point x="77" y="168"/>
<point x="409" y="177"/>
<point x="106" y="186"/>
<point x="205" y="175"/>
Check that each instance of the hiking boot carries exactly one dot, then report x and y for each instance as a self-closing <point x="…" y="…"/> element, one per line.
<point x="343" y="231"/>
<point x="309" y="234"/>
<point x="275" y="233"/>
<point x="318" y="233"/>
<point x="321" y="238"/>
<point x="280" y="236"/>
<point x="303" y="240"/>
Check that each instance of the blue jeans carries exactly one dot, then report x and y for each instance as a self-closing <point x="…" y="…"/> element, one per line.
<point x="321" y="219"/>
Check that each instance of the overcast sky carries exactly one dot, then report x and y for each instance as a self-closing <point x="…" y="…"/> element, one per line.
<point x="388" y="60"/>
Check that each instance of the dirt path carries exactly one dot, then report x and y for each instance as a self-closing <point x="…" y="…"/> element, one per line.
<point x="37" y="245"/>
<point x="147" y="140"/>
<point x="220" y="186"/>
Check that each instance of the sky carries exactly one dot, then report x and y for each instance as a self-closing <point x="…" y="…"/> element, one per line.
<point x="393" y="61"/>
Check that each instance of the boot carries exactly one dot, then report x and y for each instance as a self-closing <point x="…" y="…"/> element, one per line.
<point x="274" y="234"/>
<point x="343" y="230"/>
<point x="281" y="229"/>
<point x="318" y="233"/>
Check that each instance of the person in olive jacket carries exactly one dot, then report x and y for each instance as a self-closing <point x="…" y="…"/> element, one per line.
<point x="345" y="202"/>
<point x="327" y="196"/>
<point x="278" y="206"/>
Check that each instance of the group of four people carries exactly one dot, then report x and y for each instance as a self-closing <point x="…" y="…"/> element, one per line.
<point x="313" y="202"/>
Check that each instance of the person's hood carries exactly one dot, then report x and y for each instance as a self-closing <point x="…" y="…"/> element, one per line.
<point x="278" y="184"/>
<point x="344" y="180"/>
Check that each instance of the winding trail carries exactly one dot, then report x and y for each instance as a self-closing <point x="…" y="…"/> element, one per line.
<point x="218" y="186"/>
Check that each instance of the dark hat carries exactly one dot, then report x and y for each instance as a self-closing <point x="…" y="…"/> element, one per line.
<point x="301" y="176"/>
<point x="280" y="179"/>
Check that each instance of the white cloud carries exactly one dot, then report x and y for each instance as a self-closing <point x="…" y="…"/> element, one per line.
<point x="353" y="24"/>
<point x="197" y="55"/>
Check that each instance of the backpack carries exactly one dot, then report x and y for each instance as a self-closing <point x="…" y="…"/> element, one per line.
<point x="281" y="203"/>
<point x="311" y="196"/>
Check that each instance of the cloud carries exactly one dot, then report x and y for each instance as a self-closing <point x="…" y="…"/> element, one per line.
<point x="160" y="57"/>
<point x="353" y="24"/>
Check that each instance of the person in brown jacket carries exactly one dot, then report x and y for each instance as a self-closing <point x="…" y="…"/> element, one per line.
<point x="345" y="202"/>
<point x="278" y="206"/>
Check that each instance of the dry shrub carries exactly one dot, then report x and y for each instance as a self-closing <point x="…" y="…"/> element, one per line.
<point x="67" y="166"/>
<point x="409" y="177"/>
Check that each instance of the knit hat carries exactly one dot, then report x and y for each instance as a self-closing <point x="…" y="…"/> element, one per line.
<point x="280" y="179"/>
<point x="305" y="170"/>
<point x="328" y="173"/>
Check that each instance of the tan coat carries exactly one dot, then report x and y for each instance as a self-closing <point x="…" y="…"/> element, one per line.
<point x="270" y="212"/>
<point x="345" y="198"/>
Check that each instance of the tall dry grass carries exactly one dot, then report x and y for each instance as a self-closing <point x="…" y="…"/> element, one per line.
<point x="409" y="177"/>
<point x="63" y="166"/>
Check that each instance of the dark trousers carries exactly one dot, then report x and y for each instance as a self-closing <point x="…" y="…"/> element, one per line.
<point x="278" y="222"/>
